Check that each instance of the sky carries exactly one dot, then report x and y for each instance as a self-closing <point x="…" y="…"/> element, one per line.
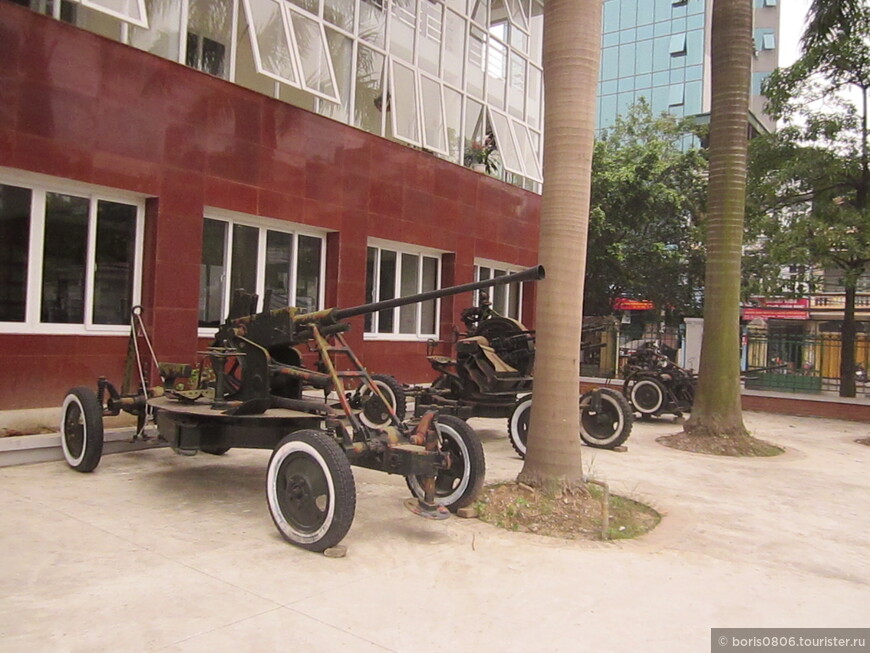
<point x="792" y="15"/>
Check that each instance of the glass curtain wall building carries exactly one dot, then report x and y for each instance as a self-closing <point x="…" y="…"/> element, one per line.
<point x="660" y="50"/>
<point x="450" y="76"/>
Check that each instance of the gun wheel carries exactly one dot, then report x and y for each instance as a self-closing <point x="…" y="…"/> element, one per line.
<point x="310" y="490"/>
<point x="605" y="428"/>
<point x="81" y="429"/>
<point x="374" y="413"/>
<point x="647" y="396"/>
<point x="458" y="486"/>
<point x="608" y="426"/>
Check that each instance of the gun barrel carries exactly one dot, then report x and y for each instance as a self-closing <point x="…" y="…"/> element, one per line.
<point x="529" y="274"/>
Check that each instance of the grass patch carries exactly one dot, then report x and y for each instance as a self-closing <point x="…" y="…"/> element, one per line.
<point x="572" y="514"/>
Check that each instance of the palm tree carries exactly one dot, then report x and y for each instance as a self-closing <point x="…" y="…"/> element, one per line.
<point x="572" y="46"/>
<point x="717" y="408"/>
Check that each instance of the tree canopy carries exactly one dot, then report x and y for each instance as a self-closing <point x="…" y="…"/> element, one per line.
<point x="648" y="200"/>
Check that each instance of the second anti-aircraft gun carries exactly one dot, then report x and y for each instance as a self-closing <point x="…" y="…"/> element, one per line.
<point x="491" y="376"/>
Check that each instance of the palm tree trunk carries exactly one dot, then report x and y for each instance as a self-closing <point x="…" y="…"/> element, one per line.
<point x="717" y="408"/>
<point x="572" y="50"/>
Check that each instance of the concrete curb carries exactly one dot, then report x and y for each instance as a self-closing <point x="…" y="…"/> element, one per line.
<point x="46" y="447"/>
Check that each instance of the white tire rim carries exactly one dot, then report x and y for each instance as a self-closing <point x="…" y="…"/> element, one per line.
<point x="658" y="391"/>
<point x="73" y="460"/>
<point x="448" y="432"/>
<point x="517" y="415"/>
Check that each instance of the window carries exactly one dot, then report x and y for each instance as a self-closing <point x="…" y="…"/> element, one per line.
<point x="69" y="258"/>
<point x="130" y="11"/>
<point x="676" y="95"/>
<point x="209" y="31"/>
<point x="272" y="260"/>
<point x="769" y="3"/>
<point x="768" y="41"/>
<point x="396" y="271"/>
<point x="506" y="300"/>
<point x="678" y="45"/>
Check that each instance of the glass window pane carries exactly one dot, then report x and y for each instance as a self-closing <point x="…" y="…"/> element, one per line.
<point x="533" y="99"/>
<point x="453" y="116"/>
<point x="270" y="40"/>
<point x="212" y="273"/>
<point x="403" y="18"/>
<point x="310" y="41"/>
<point x="478" y="9"/>
<point x="368" y="105"/>
<point x="475" y="125"/>
<point x="209" y="30"/>
<point x="309" y="5"/>
<point x="408" y="314"/>
<point x="434" y="134"/>
<point x="310" y="251"/>
<point x="431" y="33"/>
<point x="527" y="151"/>
<point x="371" y="261"/>
<point x="475" y="69"/>
<point x="507" y="147"/>
<point x="243" y="266"/>
<point x="454" y="48"/>
<point x="387" y="289"/>
<point x="279" y="257"/>
<point x="64" y="259"/>
<point x="14" y="248"/>
<point x="428" y="325"/>
<point x="131" y="11"/>
<point x="499" y="295"/>
<point x="340" y="13"/>
<point x="513" y="309"/>
<point x="517" y="87"/>
<point x="115" y="257"/>
<point x="162" y="36"/>
<point x="341" y="51"/>
<point x="517" y="14"/>
<point x="373" y="22"/>
<point x="404" y="103"/>
<point x="496" y="72"/>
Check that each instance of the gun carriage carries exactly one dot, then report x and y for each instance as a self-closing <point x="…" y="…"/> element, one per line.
<point x="246" y="390"/>
<point x="654" y="384"/>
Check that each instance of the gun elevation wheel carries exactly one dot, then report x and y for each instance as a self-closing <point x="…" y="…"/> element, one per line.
<point x="81" y="429"/>
<point x="310" y="490"/>
<point x="647" y="396"/>
<point x="605" y="421"/>
<point x="458" y="486"/>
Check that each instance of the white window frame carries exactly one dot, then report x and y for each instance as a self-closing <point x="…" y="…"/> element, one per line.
<point x="263" y="225"/>
<point x="398" y="105"/>
<point x="140" y="21"/>
<point x="527" y="152"/>
<point x="40" y="185"/>
<point x="287" y="13"/>
<point x="400" y="249"/>
<point x="506" y="142"/>
<point x="509" y="269"/>
<point x="441" y="111"/>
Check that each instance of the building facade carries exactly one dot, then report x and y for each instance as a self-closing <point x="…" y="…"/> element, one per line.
<point x="163" y="153"/>
<point x="660" y="50"/>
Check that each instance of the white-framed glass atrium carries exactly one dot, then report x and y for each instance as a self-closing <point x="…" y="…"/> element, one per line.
<point x="439" y="75"/>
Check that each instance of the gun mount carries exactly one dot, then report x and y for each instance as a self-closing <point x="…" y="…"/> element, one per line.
<point x="247" y="391"/>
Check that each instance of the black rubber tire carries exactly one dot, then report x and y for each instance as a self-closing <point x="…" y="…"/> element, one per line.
<point x="518" y="425"/>
<point x="393" y="391"/>
<point x="310" y="490"/>
<point x="215" y="451"/>
<point x="590" y="432"/>
<point x="81" y="429"/>
<point x="647" y="396"/>
<point x="458" y="486"/>
<point x="611" y="432"/>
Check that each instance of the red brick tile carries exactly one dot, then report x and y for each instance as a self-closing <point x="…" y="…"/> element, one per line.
<point x="385" y="199"/>
<point x="225" y="194"/>
<point x="45" y="155"/>
<point x="126" y="173"/>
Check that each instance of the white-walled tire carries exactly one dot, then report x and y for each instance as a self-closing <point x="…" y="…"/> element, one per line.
<point x="458" y="486"/>
<point x="393" y="393"/>
<point x="310" y="490"/>
<point x="610" y="425"/>
<point x="518" y="425"/>
<point x="647" y="396"/>
<point x="603" y="429"/>
<point x="81" y="429"/>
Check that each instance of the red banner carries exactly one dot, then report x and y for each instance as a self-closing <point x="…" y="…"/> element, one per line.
<point x="775" y="314"/>
<point x="625" y="304"/>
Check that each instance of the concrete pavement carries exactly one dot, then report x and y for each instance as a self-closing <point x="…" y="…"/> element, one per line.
<point x="157" y="552"/>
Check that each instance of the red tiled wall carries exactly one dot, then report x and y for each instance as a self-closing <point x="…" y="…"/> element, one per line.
<point x="78" y="106"/>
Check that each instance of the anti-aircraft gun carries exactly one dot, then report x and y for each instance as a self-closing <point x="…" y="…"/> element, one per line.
<point x="491" y="376"/>
<point x="248" y="390"/>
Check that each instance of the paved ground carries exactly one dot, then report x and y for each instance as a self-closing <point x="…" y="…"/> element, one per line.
<point x="157" y="552"/>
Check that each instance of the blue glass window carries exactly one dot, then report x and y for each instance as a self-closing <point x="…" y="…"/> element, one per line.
<point x="609" y="63"/>
<point x="676" y="95"/>
<point x="644" y="57"/>
<point x="627" y="13"/>
<point x="626" y="59"/>
<point x="677" y="45"/>
<point x="693" y="97"/>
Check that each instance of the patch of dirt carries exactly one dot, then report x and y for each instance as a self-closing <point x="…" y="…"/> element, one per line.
<point x="573" y="515"/>
<point x="864" y="441"/>
<point x="720" y="445"/>
<point x="8" y="433"/>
